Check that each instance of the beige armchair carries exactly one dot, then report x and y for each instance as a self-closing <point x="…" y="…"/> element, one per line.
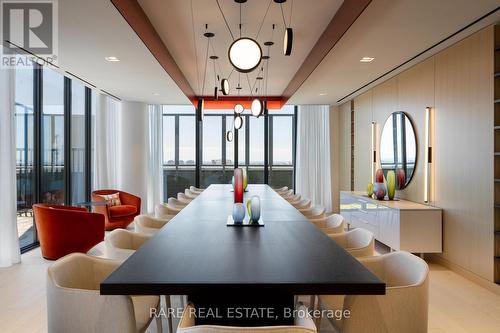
<point x="165" y="212"/>
<point x="358" y="242"/>
<point x="74" y="303"/>
<point x="150" y="225"/>
<point x="121" y="244"/>
<point x="332" y="224"/>
<point x="403" y="308"/>
<point x="315" y="212"/>
<point x="187" y="325"/>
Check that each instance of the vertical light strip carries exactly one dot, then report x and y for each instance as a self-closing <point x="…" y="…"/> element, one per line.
<point x="428" y="153"/>
<point x="374" y="150"/>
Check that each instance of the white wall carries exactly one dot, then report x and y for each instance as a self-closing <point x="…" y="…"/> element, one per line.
<point x="458" y="83"/>
<point x="132" y="150"/>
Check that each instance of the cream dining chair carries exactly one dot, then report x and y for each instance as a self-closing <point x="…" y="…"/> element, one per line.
<point x="303" y="324"/>
<point x="196" y="189"/>
<point x="281" y="190"/>
<point x="121" y="244"/>
<point x="163" y="211"/>
<point x="190" y="194"/>
<point x="403" y="308"/>
<point x="74" y="303"/>
<point x="184" y="198"/>
<point x="332" y="224"/>
<point x="315" y="212"/>
<point x="303" y="204"/>
<point x="150" y="225"/>
<point x="176" y="204"/>
<point x="293" y="199"/>
<point x="359" y="242"/>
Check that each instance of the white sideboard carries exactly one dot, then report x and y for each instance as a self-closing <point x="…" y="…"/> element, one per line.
<point x="399" y="224"/>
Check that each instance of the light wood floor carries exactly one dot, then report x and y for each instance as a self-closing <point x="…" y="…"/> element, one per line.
<point x="456" y="304"/>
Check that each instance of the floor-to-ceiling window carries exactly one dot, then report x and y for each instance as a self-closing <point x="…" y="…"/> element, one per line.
<point x="52" y="157"/>
<point x="24" y="155"/>
<point x="218" y="154"/>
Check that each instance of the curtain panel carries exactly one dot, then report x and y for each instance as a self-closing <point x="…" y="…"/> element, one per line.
<point x="313" y="179"/>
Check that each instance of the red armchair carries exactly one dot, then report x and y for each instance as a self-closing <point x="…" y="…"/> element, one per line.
<point x="117" y="216"/>
<point x="65" y="229"/>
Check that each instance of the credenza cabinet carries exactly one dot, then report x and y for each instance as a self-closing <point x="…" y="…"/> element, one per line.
<point x="399" y="224"/>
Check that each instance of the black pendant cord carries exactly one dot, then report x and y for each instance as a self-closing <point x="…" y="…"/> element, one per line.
<point x="269" y="58"/>
<point x="283" y="15"/>
<point x="225" y="20"/>
<point x="249" y="85"/>
<point x="194" y="47"/>
<point x="291" y="11"/>
<point x="215" y="74"/>
<point x="263" y="19"/>
<point x="206" y="65"/>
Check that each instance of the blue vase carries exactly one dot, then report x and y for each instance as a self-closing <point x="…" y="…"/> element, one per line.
<point x="379" y="190"/>
<point x="238" y="212"/>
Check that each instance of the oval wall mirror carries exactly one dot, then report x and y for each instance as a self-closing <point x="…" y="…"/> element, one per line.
<point x="398" y="148"/>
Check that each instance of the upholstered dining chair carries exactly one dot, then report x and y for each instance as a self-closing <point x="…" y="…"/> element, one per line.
<point x="303" y="324"/>
<point x="303" y="204"/>
<point x="403" y="308"/>
<point x="117" y="216"/>
<point x="196" y="189"/>
<point x="121" y="244"/>
<point x="190" y="194"/>
<point x="66" y="229"/>
<point x="163" y="211"/>
<point x="294" y="199"/>
<point x="74" y="303"/>
<point x="359" y="242"/>
<point x="332" y="224"/>
<point x="281" y="189"/>
<point x="176" y="204"/>
<point x="150" y="225"/>
<point x="315" y="212"/>
<point x="286" y="194"/>
<point x="183" y="198"/>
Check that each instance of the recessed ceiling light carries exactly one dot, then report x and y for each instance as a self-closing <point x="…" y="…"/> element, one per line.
<point x="112" y="59"/>
<point x="366" y="59"/>
<point x="322" y="94"/>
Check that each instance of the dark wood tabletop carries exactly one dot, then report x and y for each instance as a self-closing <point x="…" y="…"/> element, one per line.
<point x="196" y="253"/>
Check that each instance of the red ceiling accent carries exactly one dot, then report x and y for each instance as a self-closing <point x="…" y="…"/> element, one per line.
<point x="134" y="15"/>
<point x="228" y="103"/>
<point x="348" y="12"/>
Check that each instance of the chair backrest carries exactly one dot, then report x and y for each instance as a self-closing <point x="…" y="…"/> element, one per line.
<point x="316" y="211"/>
<point x="162" y="211"/>
<point x="174" y="203"/>
<point x="190" y="194"/>
<point x="281" y="189"/>
<point x="332" y="224"/>
<point x="73" y="300"/>
<point x="150" y="225"/>
<point x="404" y="307"/>
<point x="121" y="244"/>
<point x="358" y="242"/>
<point x="294" y="198"/>
<point x="303" y="204"/>
<point x="196" y="189"/>
<point x="187" y="325"/>
<point x="183" y="198"/>
<point x="286" y="194"/>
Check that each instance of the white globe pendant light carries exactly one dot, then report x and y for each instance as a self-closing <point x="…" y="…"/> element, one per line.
<point x="238" y="122"/>
<point x="238" y="108"/>
<point x="257" y="107"/>
<point x="229" y="136"/>
<point x="245" y="54"/>
<point x="288" y="41"/>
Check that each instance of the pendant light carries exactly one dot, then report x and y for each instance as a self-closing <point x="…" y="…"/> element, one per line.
<point x="244" y="53"/>
<point x="238" y="122"/>
<point x="224" y="84"/>
<point x="238" y="108"/>
<point x="229" y="136"/>
<point x="200" y="109"/>
<point x="288" y="36"/>
<point x="257" y="107"/>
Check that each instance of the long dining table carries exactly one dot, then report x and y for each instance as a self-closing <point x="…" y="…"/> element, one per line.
<point x="225" y="268"/>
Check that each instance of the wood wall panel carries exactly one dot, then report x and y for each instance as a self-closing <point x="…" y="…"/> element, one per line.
<point x="344" y="143"/>
<point x="458" y="82"/>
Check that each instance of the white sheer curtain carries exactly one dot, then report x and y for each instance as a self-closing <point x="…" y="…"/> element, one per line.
<point x="9" y="242"/>
<point x="106" y="143"/>
<point x="313" y="179"/>
<point x="155" y="170"/>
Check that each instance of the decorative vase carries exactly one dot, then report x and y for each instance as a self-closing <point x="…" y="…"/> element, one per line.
<point x="238" y="185"/>
<point x="253" y="208"/>
<point x="245" y="179"/>
<point x="391" y="184"/>
<point x="369" y="189"/>
<point x="238" y="212"/>
<point x="379" y="176"/>
<point x="379" y="190"/>
<point x="401" y="178"/>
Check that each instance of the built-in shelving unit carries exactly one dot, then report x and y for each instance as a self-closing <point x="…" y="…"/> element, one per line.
<point x="496" y="129"/>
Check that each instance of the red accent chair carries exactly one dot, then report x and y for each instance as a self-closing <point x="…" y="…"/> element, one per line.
<point x="65" y="229"/>
<point x="117" y="216"/>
